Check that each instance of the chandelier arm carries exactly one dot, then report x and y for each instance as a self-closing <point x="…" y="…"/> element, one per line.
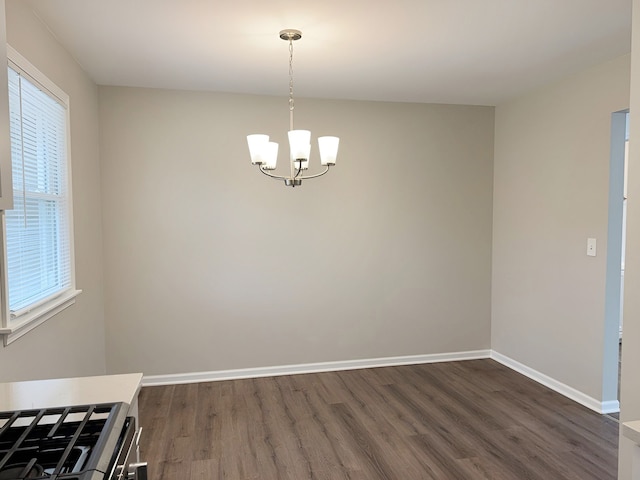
<point x="277" y="177"/>
<point x="316" y="175"/>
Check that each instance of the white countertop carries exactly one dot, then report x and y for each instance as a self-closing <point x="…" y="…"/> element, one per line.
<point x="63" y="392"/>
<point x="631" y="430"/>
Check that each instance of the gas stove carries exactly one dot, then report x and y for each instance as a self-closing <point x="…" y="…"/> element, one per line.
<point x="87" y="442"/>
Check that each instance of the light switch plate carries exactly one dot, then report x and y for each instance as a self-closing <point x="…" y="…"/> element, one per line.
<point x="591" y="247"/>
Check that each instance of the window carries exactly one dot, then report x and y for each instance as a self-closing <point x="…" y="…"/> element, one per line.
<point x="38" y="243"/>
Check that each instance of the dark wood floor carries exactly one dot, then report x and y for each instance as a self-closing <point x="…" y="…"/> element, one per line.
<point x="458" y="420"/>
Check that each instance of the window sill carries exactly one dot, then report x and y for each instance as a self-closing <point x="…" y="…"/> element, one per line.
<point x="27" y="322"/>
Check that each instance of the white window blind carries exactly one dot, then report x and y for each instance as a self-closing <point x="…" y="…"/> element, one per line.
<point x="37" y="229"/>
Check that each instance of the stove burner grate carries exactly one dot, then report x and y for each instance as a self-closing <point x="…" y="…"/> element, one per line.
<point x="53" y="443"/>
<point x="22" y="471"/>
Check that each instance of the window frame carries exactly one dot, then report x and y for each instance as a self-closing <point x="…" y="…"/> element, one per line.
<point x="41" y="311"/>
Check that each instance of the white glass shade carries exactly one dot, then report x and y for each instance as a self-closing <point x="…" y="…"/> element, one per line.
<point x="299" y="141"/>
<point x="328" y="150"/>
<point x="270" y="156"/>
<point x="304" y="165"/>
<point x="257" y="147"/>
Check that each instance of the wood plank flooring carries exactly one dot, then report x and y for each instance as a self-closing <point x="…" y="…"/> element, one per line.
<point x="458" y="420"/>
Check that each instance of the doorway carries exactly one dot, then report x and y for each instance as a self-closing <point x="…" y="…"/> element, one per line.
<point x="616" y="234"/>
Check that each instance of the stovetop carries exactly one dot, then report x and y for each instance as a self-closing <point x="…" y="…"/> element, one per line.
<point x="66" y="443"/>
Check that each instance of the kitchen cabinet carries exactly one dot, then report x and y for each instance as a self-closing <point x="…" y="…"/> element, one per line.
<point x="6" y="181"/>
<point x="631" y="430"/>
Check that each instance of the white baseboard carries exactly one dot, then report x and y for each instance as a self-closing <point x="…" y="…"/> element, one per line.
<point x="153" y="380"/>
<point x="219" y="375"/>
<point x="612" y="406"/>
<point x="553" y="384"/>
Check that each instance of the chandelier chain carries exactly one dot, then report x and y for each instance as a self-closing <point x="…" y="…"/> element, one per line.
<point x="291" y="103"/>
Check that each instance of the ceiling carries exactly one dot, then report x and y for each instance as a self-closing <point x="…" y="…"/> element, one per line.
<point x="432" y="51"/>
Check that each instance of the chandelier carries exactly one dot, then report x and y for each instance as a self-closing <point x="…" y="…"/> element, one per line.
<point x="265" y="153"/>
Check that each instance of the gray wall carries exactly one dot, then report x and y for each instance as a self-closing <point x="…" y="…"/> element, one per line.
<point x="630" y="391"/>
<point x="551" y="181"/>
<point x="72" y="343"/>
<point x="209" y="265"/>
